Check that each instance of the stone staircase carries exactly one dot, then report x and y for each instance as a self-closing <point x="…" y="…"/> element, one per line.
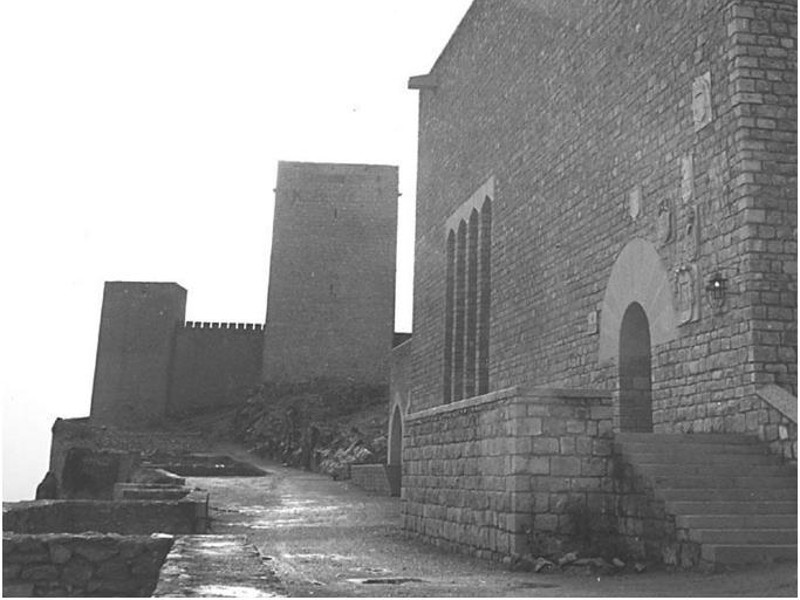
<point x="724" y="491"/>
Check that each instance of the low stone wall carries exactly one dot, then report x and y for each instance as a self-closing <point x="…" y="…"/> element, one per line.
<point x="89" y="564"/>
<point x="506" y="473"/>
<point x="130" y="517"/>
<point x="374" y="478"/>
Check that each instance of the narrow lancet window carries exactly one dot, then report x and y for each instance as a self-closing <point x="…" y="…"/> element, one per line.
<point x="460" y="312"/>
<point x="448" y="318"/>
<point x="484" y="309"/>
<point x="472" y="306"/>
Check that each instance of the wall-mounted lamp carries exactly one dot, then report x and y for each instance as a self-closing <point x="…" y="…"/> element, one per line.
<point x="716" y="290"/>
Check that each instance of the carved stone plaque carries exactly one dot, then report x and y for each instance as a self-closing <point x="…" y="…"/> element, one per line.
<point x="685" y="293"/>
<point x="687" y="178"/>
<point x="717" y="203"/>
<point x="592" y="322"/>
<point x="635" y="202"/>
<point x="701" y="101"/>
<point x="690" y="233"/>
<point x="664" y="224"/>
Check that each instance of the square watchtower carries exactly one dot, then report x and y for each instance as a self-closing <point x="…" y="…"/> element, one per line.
<point x="330" y="309"/>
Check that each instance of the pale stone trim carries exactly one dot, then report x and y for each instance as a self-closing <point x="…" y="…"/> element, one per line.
<point x="475" y="202"/>
<point x="638" y="275"/>
<point x="779" y="399"/>
<point x="520" y="392"/>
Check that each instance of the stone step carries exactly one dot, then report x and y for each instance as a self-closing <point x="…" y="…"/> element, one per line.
<point x="726" y="492"/>
<point x="706" y="458"/>
<point x="691" y="507"/>
<point x="744" y="536"/>
<point x="752" y="482"/>
<point x="726" y="495"/>
<point x="748" y="554"/>
<point x="634" y="449"/>
<point x="713" y="470"/>
<point x="737" y="521"/>
<point x="682" y="438"/>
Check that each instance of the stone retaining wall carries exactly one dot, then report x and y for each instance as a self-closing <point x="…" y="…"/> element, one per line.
<point x="495" y="474"/>
<point x="371" y="477"/>
<point x="130" y="517"/>
<point x="88" y="564"/>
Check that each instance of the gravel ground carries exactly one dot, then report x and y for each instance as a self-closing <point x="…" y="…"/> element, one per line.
<point x="328" y="538"/>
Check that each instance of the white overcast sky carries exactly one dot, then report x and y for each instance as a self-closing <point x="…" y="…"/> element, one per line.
<point x="139" y="141"/>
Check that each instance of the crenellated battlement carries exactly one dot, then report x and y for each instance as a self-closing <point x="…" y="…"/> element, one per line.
<point x="216" y="325"/>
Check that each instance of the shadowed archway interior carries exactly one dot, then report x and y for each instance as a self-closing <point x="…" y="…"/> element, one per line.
<point x="396" y="438"/>
<point x="635" y="382"/>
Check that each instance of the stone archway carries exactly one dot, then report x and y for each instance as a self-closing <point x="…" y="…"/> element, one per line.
<point x="637" y="315"/>
<point x="638" y="275"/>
<point x="394" y="466"/>
<point x="635" y="381"/>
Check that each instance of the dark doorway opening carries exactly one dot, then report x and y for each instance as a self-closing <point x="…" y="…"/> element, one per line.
<point x="635" y="380"/>
<point x="394" y="468"/>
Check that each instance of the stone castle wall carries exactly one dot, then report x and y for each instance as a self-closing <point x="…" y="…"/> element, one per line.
<point x="214" y="364"/>
<point x="150" y="363"/>
<point x="330" y="309"/>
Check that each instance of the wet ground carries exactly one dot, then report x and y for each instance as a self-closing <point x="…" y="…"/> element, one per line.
<point x="328" y="538"/>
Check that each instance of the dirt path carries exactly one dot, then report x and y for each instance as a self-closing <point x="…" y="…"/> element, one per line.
<point x="328" y="538"/>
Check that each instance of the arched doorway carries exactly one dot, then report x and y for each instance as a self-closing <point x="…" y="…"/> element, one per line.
<point x="635" y="381"/>
<point x="394" y="467"/>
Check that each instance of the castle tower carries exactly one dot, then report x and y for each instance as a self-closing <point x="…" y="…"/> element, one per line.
<point x="134" y="352"/>
<point x="330" y="309"/>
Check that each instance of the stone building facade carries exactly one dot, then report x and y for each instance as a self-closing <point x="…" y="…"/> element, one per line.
<point x="330" y="308"/>
<point x="605" y="243"/>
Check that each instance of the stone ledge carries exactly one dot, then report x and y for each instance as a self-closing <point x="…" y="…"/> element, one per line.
<point x="523" y="394"/>
<point x="222" y="566"/>
<point x="779" y="399"/>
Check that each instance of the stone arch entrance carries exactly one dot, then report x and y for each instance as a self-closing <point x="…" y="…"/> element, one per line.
<point x="635" y="381"/>
<point x="395" y="451"/>
<point x="638" y="275"/>
<point x="637" y="315"/>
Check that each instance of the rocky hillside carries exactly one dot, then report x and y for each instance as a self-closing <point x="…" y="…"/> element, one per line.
<point x="323" y="425"/>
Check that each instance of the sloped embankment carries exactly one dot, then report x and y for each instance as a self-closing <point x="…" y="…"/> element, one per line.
<point x="323" y="425"/>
